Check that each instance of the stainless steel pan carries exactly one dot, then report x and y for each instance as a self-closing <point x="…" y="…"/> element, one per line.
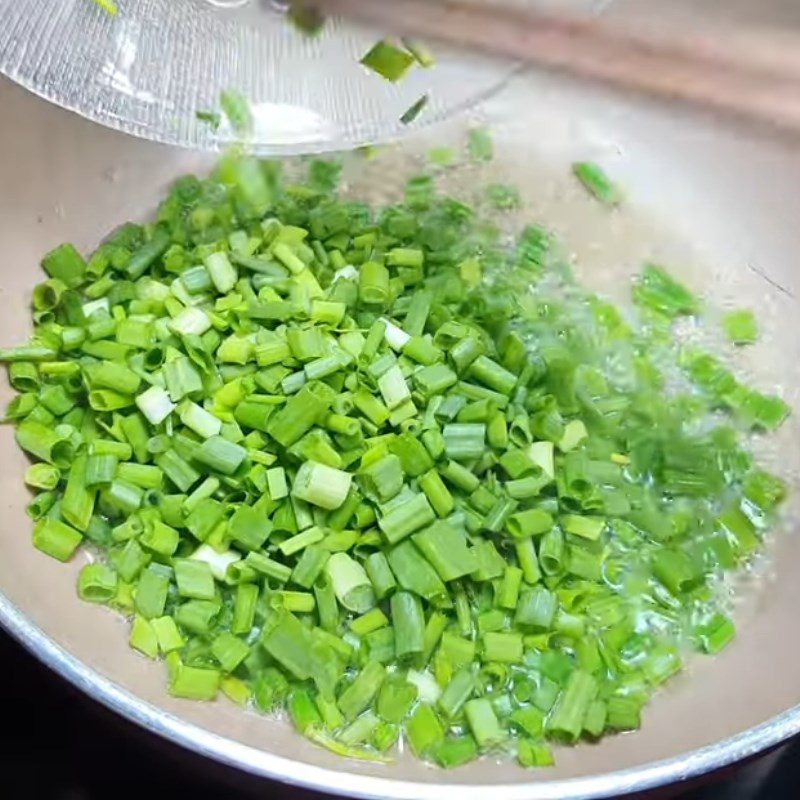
<point x="719" y="204"/>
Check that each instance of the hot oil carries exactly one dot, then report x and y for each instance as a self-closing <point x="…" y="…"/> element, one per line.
<point x="606" y="248"/>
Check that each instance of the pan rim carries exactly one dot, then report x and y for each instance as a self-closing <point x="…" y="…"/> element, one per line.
<point x="682" y="767"/>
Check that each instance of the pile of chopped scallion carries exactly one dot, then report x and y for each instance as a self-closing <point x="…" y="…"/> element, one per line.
<point x="382" y="470"/>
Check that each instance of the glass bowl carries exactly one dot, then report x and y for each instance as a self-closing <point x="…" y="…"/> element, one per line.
<point x="148" y="69"/>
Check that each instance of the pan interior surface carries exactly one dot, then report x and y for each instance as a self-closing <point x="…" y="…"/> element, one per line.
<point x="716" y="204"/>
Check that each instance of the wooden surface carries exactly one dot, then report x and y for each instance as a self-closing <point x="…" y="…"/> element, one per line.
<point x="742" y="68"/>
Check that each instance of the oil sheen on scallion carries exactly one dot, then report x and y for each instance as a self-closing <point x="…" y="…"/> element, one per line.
<point x="374" y="468"/>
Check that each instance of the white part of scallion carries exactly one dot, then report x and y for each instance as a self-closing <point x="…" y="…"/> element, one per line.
<point x="350" y="582"/>
<point x="191" y="321"/>
<point x="393" y="387"/>
<point x="541" y="453"/>
<point x="395" y="337"/>
<point x="222" y="272"/>
<point x="93" y="306"/>
<point x="155" y="404"/>
<point x="219" y="562"/>
<point x="199" y="420"/>
<point x="348" y="272"/>
<point x="427" y="687"/>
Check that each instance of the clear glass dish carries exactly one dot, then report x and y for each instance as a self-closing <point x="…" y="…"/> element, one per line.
<point x="151" y="67"/>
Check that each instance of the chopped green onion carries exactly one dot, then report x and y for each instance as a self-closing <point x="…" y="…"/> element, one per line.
<point x="350" y="583"/>
<point x="56" y="539"/>
<point x="388" y="61"/>
<point x="483" y="723"/>
<point x="740" y="326"/>
<point x="597" y="183"/>
<point x="155" y="404"/>
<point x="414" y="110"/>
<point x="237" y="110"/>
<point x="386" y="468"/>
<point x="321" y="485"/>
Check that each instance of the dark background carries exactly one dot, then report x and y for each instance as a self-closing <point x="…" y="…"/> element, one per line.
<point x="60" y="745"/>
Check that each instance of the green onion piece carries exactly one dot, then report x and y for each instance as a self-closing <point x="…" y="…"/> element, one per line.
<point x="389" y="61"/>
<point x="288" y="641"/>
<point x="167" y="634"/>
<point x="533" y="522"/>
<point x="624" y="713"/>
<point x="143" y="638"/>
<point x="373" y="284"/>
<point x="369" y="622"/>
<point x="361" y="692"/>
<point x="656" y="290"/>
<point x="244" y="608"/>
<point x="97" y="583"/>
<point x="56" y="539"/>
<point x="44" y="443"/>
<point x="65" y="264"/>
<point x="464" y="441"/>
<point x="155" y="404"/>
<point x="109" y="6"/>
<point x="502" y="647"/>
<point x="586" y="527"/>
<point x="529" y="720"/>
<point x="220" y="455"/>
<point x="536" y="609"/>
<point x="414" y="110"/>
<point x="715" y="634"/>
<point x="740" y="326"/>
<point x="229" y="651"/>
<point x="422" y="55"/>
<point x="424" y="730"/>
<point x="211" y="117"/>
<point x="321" y="485"/>
<point x="194" y="579"/>
<point x="484" y="724"/>
<point x="237" y="110"/>
<point x="530" y="754"/>
<point x="409" y="625"/>
<point x="445" y="547"/>
<point x="414" y="573"/>
<point x="350" y="583"/>
<point x="151" y="591"/>
<point x="597" y="183"/>
<point x="194" y="683"/>
<point x="570" y="710"/>
<point x="457" y="692"/>
<point x="299" y="414"/>
<point x="406" y="518"/>
<point x="26" y="353"/>
<point x="199" y="420"/>
<point x="383" y="479"/>
<point x="42" y="476"/>
<point x="100" y="470"/>
<point x="380" y="575"/>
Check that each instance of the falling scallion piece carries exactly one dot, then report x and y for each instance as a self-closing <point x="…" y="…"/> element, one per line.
<point x="212" y="118"/>
<point x="388" y="60"/>
<point x="421" y="54"/>
<point x="414" y="110"/>
<point x="236" y="108"/>
<point x="109" y="6"/>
